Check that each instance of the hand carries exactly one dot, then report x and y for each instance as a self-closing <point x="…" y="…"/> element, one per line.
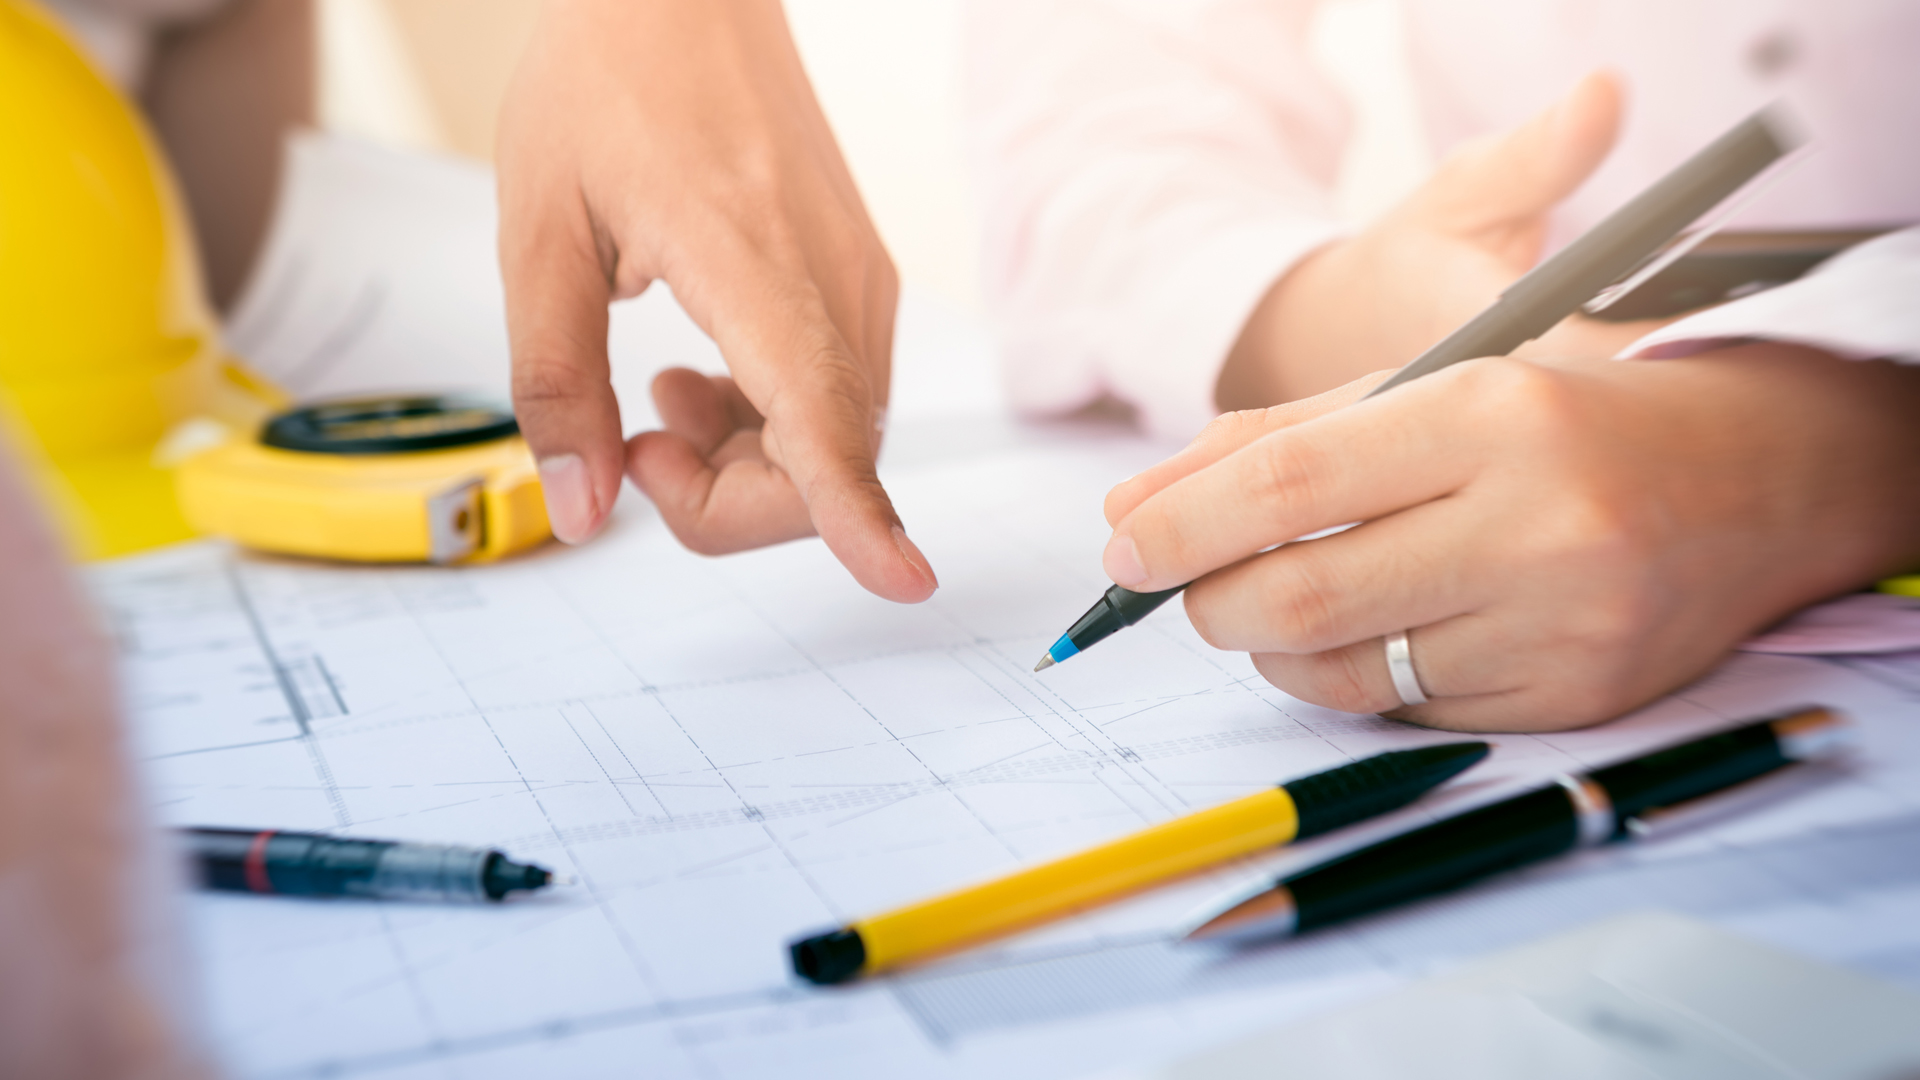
<point x="1383" y="297"/>
<point x="85" y="991"/>
<point x="648" y="139"/>
<point x="1566" y="539"/>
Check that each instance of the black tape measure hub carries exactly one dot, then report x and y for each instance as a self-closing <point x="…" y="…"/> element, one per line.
<point x="390" y="425"/>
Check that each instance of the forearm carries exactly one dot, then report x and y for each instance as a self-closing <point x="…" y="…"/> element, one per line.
<point x="222" y="94"/>
<point x="1291" y="346"/>
<point x="1146" y="175"/>
<point x="1805" y="458"/>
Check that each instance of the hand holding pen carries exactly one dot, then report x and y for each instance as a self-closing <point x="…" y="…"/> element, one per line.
<point x="1552" y="574"/>
<point x="1546" y="543"/>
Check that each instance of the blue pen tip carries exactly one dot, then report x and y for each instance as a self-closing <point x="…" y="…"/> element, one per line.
<point x="1060" y="651"/>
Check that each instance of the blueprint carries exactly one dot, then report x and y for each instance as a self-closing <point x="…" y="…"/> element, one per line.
<point x="726" y="753"/>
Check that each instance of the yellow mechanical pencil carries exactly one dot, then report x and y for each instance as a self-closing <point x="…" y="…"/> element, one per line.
<point x="1291" y="811"/>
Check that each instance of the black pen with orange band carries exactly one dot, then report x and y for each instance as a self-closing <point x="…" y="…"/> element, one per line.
<point x="1630" y="799"/>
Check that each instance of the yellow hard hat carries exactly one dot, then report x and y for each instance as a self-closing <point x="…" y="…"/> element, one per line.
<point x="107" y="344"/>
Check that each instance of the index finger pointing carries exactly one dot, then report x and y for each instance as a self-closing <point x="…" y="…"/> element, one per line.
<point x="821" y="432"/>
<point x="795" y="366"/>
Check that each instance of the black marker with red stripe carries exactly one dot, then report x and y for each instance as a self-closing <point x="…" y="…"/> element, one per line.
<point x="315" y="864"/>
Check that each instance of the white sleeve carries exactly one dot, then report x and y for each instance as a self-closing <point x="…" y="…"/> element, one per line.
<point x="1862" y="304"/>
<point x="1149" y="169"/>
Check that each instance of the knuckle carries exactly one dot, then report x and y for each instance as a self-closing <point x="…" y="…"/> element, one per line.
<point x="1538" y="403"/>
<point x="1203" y="613"/>
<point x="1301" y="611"/>
<point x="826" y="364"/>
<point x="863" y="487"/>
<point x="1590" y="532"/>
<point x="1290" y="472"/>
<point x="699" y="541"/>
<point x="822" y="386"/>
<point x="1219" y="429"/>
<point x="538" y="382"/>
<point x="1602" y="627"/>
<point x="1231" y="428"/>
<point x="1168" y="540"/>
<point x="1332" y="680"/>
<point x="847" y="248"/>
<point x="749" y="187"/>
<point x="1342" y="684"/>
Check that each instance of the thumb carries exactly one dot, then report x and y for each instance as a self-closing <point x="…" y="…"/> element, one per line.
<point x="1499" y="187"/>
<point x="557" y="294"/>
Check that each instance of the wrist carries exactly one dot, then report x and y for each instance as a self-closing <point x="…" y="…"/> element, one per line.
<point x="1280" y="353"/>
<point x="1805" y="460"/>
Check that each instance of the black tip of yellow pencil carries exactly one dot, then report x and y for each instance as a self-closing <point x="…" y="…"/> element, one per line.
<point x="1372" y="786"/>
<point x="829" y="958"/>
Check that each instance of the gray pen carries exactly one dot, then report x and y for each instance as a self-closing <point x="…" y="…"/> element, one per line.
<point x="1611" y="250"/>
<point x="1628" y="239"/>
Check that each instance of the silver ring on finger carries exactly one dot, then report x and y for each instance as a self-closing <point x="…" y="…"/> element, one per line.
<point x="1406" y="682"/>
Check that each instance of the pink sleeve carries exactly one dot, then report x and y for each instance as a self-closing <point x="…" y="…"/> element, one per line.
<point x="1149" y="169"/>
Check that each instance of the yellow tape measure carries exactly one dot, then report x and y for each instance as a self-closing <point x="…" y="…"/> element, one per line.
<point x="441" y="479"/>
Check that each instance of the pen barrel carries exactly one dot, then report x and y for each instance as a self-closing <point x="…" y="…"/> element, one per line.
<point x="310" y="864"/>
<point x="1181" y="846"/>
<point x="1609" y="251"/>
<point x="1132" y="606"/>
<point x="430" y="872"/>
<point x="1497" y="331"/>
<point x="1631" y="235"/>
<point x="1688" y="771"/>
<point x="1591" y="808"/>
<point x="1117" y="609"/>
<point x="1436" y="858"/>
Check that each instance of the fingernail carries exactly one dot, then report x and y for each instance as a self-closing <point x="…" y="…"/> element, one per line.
<point x="911" y="552"/>
<point x="570" y="508"/>
<point x="1122" y="562"/>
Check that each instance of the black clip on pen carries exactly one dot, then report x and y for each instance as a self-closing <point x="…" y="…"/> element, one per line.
<point x="1603" y="255"/>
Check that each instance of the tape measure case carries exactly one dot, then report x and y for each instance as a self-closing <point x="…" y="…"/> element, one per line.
<point x="395" y="479"/>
